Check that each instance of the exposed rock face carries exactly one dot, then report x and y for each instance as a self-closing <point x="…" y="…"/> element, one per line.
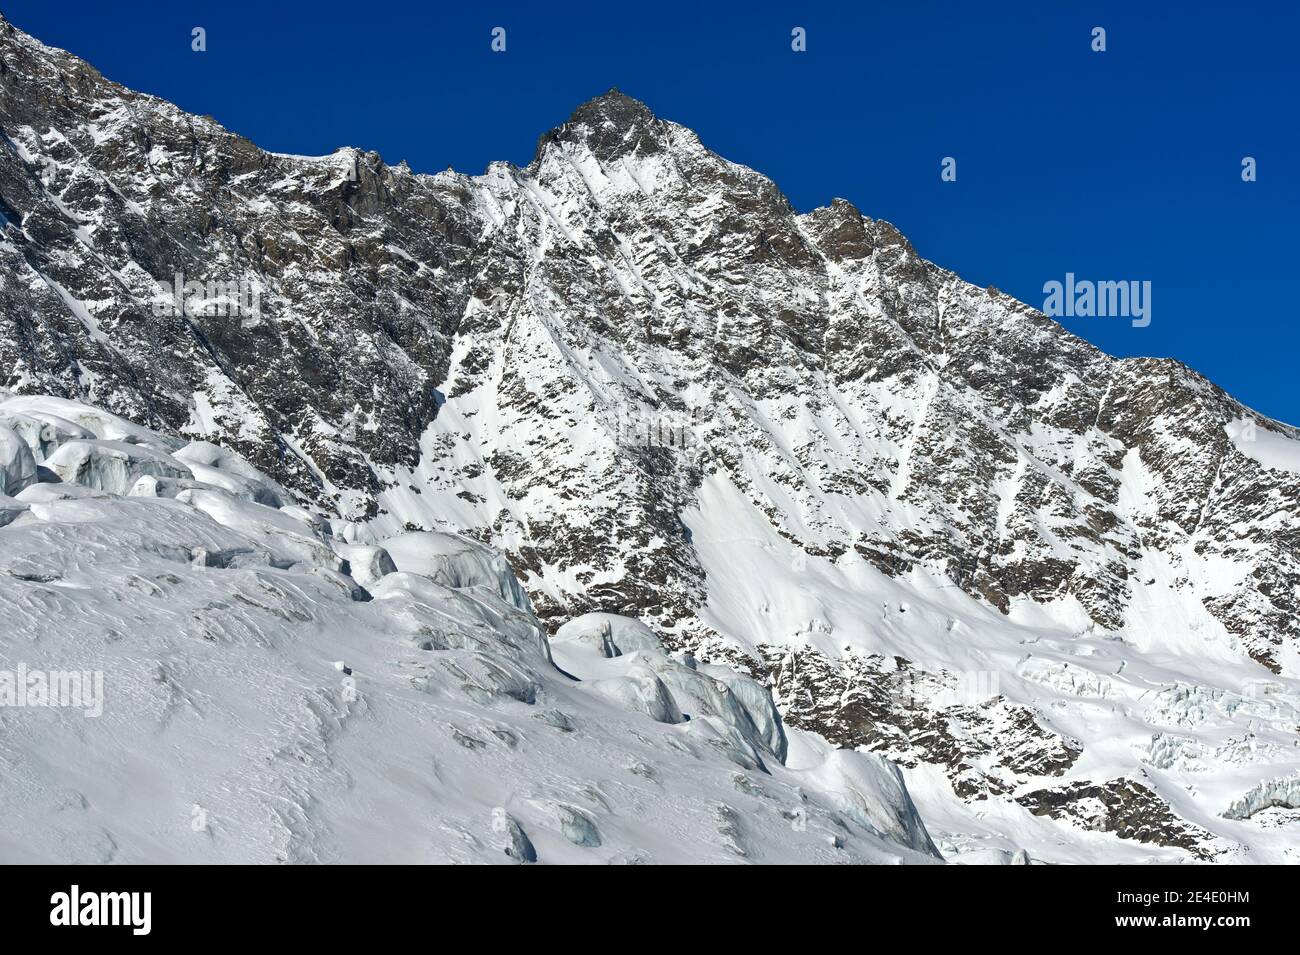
<point x="987" y="745"/>
<point x="1122" y="806"/>
<point x="584" y="362"/>
<point x="358" y="271"/>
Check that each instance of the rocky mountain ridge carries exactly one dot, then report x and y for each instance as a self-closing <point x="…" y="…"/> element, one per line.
<point x="662" y="392"/>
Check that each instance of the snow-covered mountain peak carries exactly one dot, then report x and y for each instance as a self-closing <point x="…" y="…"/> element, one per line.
<point x="786" y="444"/>
<point x="612" y="125"/>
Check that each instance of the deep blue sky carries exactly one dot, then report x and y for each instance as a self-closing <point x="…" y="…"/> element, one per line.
<point x="1117" y="165"/>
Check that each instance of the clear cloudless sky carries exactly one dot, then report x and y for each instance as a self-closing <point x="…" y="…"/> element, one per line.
<point x="1117" y="165"/>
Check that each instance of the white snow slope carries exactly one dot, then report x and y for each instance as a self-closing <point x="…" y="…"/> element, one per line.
<point x="259" y="705"/>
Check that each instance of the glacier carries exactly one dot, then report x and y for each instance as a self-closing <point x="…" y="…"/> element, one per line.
<point x="228" y="733"/>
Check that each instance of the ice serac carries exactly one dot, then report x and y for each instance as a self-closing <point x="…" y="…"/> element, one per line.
<point x="457" y="563"/>
<point x="17" y="465"/>
<point x="925" y="518"/>
<point x="112" y="466"/>
<point x="613" y="635"/>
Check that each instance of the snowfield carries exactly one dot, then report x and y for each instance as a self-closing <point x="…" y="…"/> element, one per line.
<point x="276" y="691"/>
